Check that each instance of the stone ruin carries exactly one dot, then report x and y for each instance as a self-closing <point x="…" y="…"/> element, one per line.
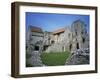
<point x="80" y="56"/>
<point x="71" y="39"/>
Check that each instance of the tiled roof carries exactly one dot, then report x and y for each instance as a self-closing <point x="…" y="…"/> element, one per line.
<point x="35" y="29"/>
<point x="59" y="31"/>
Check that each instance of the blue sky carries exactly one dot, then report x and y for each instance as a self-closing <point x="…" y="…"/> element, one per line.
<point x="51" y="22"/>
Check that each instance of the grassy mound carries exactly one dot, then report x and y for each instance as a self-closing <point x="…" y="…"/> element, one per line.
<point x="54" y="58"/>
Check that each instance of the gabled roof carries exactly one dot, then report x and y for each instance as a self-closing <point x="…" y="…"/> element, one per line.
<point x="59" y="31"/>
<point x="35" y="29"/>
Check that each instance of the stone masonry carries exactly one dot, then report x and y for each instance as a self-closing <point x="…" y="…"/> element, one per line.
<point x="69" y="38"/>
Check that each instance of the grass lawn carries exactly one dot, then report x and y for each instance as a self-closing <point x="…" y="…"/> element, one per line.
<point x="54" y="58"/>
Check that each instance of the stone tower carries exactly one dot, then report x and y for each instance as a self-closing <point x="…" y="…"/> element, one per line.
<point x="80" y="36"/>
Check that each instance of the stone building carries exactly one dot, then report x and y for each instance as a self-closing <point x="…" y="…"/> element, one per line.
<point x="80" y="36"/>
<point x="34" y="38"/>
<point x="65" y="39"/>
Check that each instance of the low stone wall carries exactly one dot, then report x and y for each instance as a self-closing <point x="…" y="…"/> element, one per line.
<point x="80" y="56"/>
<point x="35" y="59"/>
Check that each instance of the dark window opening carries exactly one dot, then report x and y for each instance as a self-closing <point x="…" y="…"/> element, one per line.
<point x="83" y="40"/>
<point x="26" y="47"/>
<point x="45" y="47"/>
<point x="52" y="42"/>
<point x="49" y="38"/>
<point x="76" y="33"/>
<point x="77" y="45"/>
<point x="82" y="32"/>
<point x="63" y="48"/>
<point x="36" y="48"/>
<point x="70" y="47"/>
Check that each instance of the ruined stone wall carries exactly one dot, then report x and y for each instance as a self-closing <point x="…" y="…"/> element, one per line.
<point x="80" y="36"/>
<point x="73" y="38"/>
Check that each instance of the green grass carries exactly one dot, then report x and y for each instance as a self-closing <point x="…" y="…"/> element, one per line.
<point x="54" y="58"/>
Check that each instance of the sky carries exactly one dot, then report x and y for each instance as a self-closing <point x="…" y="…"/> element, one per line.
<point x="51" y="21"/>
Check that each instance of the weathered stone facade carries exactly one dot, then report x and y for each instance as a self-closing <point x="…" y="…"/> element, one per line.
<point x="69" y="38"/>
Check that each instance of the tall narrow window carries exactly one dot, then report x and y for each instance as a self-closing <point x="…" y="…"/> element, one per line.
<point x="76" y="32"/>
<point x="62" y="48"/>
<point x="82" y="32"/>
<point x="77" y="45"/>
<point x="70" y="47"/>
<point x="83" y="40"/>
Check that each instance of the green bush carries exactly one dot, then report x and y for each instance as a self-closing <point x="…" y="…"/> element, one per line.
<point x="54" y="58"/>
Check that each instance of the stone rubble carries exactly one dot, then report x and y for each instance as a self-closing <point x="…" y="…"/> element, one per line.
<point x="80" y="56"/>
<point x="35" y="59"/>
